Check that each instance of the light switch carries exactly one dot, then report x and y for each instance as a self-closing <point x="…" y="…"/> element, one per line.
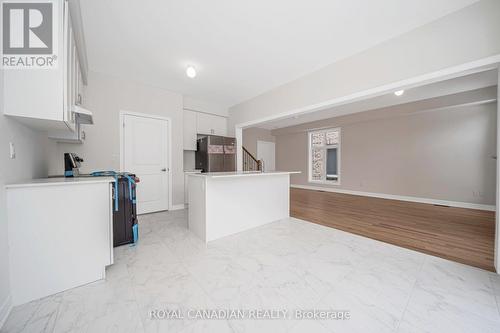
<point x="12" y="150"/>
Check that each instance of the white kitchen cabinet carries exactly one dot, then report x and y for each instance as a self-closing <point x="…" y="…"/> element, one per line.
<point x="211" y="124"/>
<point x="203" y="123"/>
<point x="190" y="129"/>
<point x="65" y="136"/>
<point x="70" y="60"/>
<point x="186" y="184"/>
<point x="219" y="125"/>
<point x="65" y="238"/>
<point x="52" y="92"/>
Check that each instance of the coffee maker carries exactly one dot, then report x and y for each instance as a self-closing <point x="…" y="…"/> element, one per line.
<point x="72" y="164"/>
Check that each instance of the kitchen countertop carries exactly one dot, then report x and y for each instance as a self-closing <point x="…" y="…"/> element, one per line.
<point x="242" y="174"/>
<point x="60" y="181"/>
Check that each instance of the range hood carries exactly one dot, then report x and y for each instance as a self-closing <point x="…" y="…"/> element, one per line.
<point x="82" y="115"/>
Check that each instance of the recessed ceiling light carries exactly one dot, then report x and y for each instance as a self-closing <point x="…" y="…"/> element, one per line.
<point x="399" y="92"/>
<point x="191" y="72"/>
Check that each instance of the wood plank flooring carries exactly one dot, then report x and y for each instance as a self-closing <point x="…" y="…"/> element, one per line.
<point x="459" y="234"/>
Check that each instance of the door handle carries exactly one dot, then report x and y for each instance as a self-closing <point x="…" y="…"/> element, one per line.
<point x="164" y="169"/>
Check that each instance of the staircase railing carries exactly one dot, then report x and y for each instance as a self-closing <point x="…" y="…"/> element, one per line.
<point x="250" y="163"/>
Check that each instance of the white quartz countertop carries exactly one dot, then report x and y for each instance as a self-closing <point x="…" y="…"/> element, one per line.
<point x="242" y="174"/>
<point x="60" y="181"/>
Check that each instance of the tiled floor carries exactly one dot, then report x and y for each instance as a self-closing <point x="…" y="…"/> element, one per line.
<point x="288" y="264"/>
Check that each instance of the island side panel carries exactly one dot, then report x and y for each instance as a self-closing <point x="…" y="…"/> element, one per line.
<point x="197" y="206"/>
<point x="61" y="241"/>
<point x="236" y="204"/>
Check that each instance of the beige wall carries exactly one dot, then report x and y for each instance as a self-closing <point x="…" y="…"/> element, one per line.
<point x="466" y="35"/>
<point x="30" y="162"/>
<point x="444" y="154"/>
<point x="106" y="96"/>
<point x="252" y="135"/>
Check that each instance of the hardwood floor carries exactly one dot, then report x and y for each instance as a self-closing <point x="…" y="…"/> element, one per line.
<point x="459" y="234"/>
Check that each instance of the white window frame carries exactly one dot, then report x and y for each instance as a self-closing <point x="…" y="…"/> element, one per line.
<point x="339" y="150"/>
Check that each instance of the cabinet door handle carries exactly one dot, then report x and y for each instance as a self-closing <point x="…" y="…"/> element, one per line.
<point x="164" y="169"/>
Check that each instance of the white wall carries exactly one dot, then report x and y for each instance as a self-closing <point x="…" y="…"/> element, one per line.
<point x="194" y="104"/>
<point x="106" y="96"/>
<point x="30" y="162"/>
<point x="466" y="35"/>
<point x="497" y="231"/>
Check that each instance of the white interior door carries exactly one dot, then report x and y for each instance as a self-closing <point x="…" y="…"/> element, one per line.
<point x="266" y="151"/>
<point x="145" y="149"/>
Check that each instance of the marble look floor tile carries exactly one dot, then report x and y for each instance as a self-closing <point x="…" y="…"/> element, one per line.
<point x="394" y="260"/>
<point x="36" y="316"/>
<point x="223" y="279"/>
<point x="123" y="321"/>
<point x="309" y="326"/>
<point x="289" y="264"/>
<point x="264" y="326"/>
<point x="149" y="254"/>
<point x="366" y="315"/>
<point x="433" y="312"/>
<point x="463" y="287"/>
<point x="301" y="289"/>
<point x="495" y="282"/>
<point x="329" y="262"/>
<point x="97" y="304"/>
<point x="168" y="288"/>
<point x="376" y="291"/>
<point x="449" y="296"/>
<point x="379" y="291"/>
<point x="205" y="326"/>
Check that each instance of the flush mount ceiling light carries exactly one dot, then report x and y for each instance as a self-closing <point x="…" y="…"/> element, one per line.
<point x="191" y="72"/>
<point x="399" y="92"/>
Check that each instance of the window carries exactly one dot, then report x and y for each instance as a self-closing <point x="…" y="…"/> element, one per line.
<point x="324" y="156"/>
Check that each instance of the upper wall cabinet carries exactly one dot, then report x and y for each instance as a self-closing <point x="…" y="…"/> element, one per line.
<point x="211" y="124"/>
<point x="45" y="98"/>
<point x="201" y="123"/>
<point x="190" y="130"/>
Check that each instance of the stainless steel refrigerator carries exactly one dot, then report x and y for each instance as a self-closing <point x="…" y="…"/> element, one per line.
<point x="216" y="154"/>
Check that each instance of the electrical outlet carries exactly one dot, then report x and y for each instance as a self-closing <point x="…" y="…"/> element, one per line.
<point x="12" y="150"/>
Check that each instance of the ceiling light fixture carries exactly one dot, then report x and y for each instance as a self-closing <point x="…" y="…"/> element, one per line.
<point x="191" y="72"/>
<point x="399" y="92"/>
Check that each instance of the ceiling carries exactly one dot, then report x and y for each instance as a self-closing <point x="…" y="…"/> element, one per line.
<point x="240" y="48"/>
<point x="447" y="87"/>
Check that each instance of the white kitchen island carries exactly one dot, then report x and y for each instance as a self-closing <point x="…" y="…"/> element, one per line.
<point x="225" y="203"/>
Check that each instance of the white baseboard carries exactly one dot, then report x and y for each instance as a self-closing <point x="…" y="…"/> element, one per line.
<point x="399" y="197"/>
<point x="177" y="207"/>
<point x="5" y="309"/>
